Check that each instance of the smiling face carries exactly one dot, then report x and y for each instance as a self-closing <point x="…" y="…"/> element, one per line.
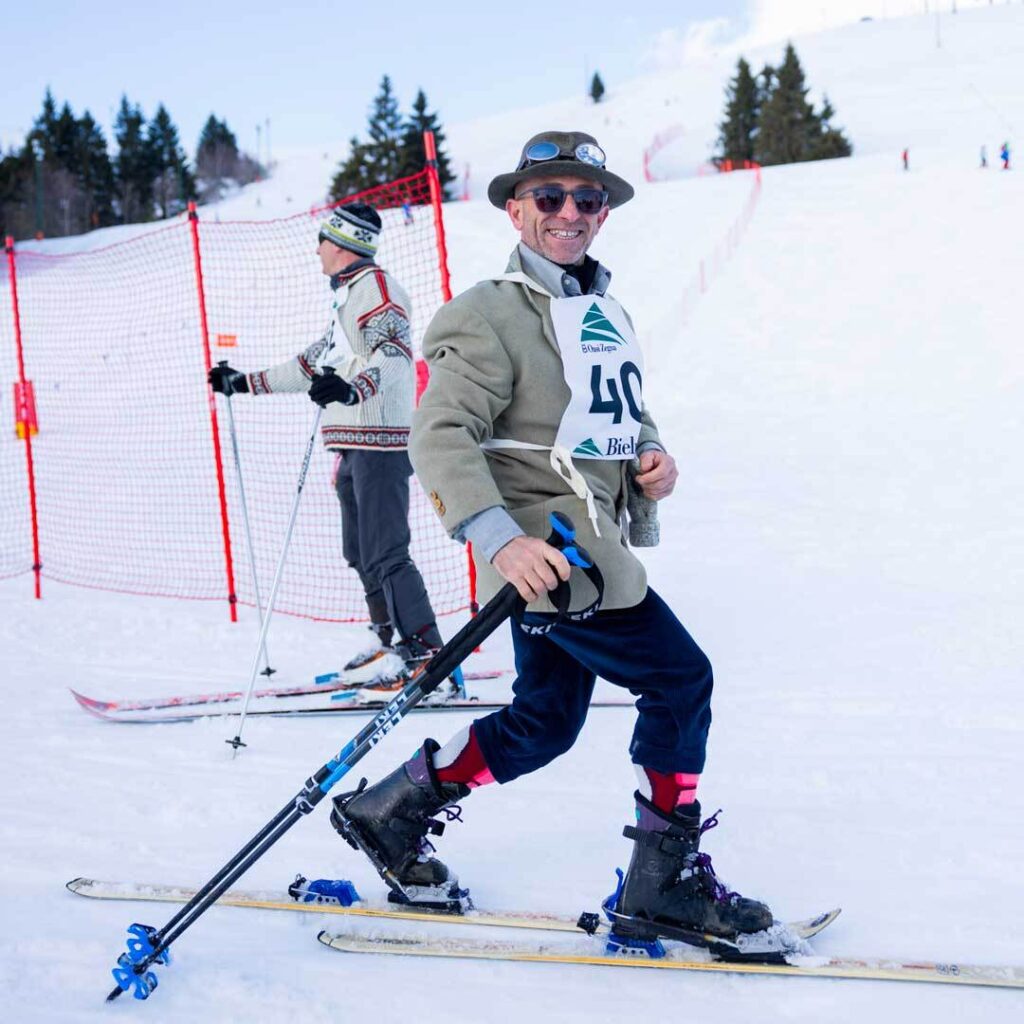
<point x="562" y="237"/>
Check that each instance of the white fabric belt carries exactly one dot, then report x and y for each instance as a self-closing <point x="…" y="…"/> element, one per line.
<point x="561" y="463"/>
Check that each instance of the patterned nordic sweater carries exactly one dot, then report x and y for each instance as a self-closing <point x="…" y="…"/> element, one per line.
<point x="368" y="342"/>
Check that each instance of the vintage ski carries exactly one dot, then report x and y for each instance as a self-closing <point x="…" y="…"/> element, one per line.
<point x="275" y="899"/>
<point x="310" y="705"/>
<point x="329" y="682"/>
<point x="588" y="953"/>
<point x="295" y="709"/>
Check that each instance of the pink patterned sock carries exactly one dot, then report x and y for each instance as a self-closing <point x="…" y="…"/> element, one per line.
<point x="462" y="760"/>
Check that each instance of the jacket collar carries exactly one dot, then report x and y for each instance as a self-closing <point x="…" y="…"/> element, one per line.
<point x="551" y="277"/>
<point x="351" y="271"/>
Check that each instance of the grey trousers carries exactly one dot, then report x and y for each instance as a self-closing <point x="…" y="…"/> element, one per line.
<point x="373" y="488"/>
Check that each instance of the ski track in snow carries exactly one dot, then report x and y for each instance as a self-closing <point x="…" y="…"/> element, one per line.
<point x="845" y="543"/>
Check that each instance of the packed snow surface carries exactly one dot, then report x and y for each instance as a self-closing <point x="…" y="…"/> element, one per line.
<point x="845" y="542"/>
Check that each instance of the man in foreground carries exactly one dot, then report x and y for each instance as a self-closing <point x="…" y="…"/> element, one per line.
<point x="535" y="404"/>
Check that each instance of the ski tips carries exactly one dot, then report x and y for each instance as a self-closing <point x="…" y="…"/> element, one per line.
<point x="93" y="706"/>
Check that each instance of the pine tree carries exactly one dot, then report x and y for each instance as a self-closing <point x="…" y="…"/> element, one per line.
<point x="217" y="158"/>
<point x="596" y="88"/>
<point x="65" y="138"/>
<point x="173" y="184"/>
<point x="354" y="173"/>
<point x="91" y="163"/>
<point x="788" y="123"/>
<point x="17" y="214"/>
<point x="215" y="135"/>
<point x="385" y="129"/>
<point x="61" y="200"/>
<point x="413" y="152"/>
<point x="40" y="147"/>
<point x="44" y="127"/>
<point x="134" y="168"/>
<point x="829" y="142"/>
<point x="742" y="110"/>
<point x="381" y="159"/>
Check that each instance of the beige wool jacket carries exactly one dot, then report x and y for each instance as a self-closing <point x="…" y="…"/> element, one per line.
<point x="496" y="372"/>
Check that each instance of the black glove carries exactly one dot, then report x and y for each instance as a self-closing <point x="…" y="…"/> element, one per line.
<point x="227" y="381"/>
<point x="328" y="387"/>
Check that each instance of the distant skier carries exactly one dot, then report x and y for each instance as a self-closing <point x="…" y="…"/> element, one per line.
<point x="535" y="405"/>
<point x="906" y="159"/>
<point x="984" y="157"/>
<point x="407" y="217"/>
<point x="1004" y="155"/>
<point x="368" y="403"/>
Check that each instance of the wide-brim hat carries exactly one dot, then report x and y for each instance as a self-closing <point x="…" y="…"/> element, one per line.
<point x="551" y="154"/>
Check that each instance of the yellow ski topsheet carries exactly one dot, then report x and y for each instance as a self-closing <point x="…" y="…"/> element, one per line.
<point x="819" y="967"/>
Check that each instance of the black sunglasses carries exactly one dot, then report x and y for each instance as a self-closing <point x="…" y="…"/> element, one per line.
<point x="551" y="198"/>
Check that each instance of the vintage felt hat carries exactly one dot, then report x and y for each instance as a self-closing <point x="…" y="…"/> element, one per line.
<point x="551" y="154"/>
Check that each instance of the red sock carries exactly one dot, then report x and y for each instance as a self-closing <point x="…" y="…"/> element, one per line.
<point x="667" y="791"/>
<point x="462" y="760"/>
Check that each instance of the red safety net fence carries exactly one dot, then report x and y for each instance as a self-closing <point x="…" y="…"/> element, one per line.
<point x="711" y="265"/>
<point x="127" y="483"/>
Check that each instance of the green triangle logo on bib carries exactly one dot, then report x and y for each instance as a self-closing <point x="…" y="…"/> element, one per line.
<point x="587" y="448"/>
<point x="597" y="327"/>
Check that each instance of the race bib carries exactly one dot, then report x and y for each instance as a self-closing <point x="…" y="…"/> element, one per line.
<point x="604" y="372"/>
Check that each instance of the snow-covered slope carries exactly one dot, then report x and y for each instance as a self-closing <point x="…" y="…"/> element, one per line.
<point x="845" y="542"/>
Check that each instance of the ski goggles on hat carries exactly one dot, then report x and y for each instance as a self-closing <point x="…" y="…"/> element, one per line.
<point x="540" y="152"/>
<point x="551" y="198"/>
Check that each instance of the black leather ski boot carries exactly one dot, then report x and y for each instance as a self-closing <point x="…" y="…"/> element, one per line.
<point x="390" y="820"/>
<point x="671" y="889"/>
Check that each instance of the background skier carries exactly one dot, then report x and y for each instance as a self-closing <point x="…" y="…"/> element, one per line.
<point x="368" y="403"/>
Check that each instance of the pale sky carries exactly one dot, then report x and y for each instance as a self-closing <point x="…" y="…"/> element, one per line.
<point x="313" y="66"/>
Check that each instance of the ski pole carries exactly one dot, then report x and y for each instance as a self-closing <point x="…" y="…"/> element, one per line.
<point x="148" y="946"/>
<point x="228" y="392"/>
<point x="265" y="623"/>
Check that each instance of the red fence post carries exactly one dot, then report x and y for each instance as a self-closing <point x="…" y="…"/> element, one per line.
<point x="435" y="201"/>
<point x="430" y="146"/>
<point x="193" y="219"/>
<point x="22" y="412"/>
